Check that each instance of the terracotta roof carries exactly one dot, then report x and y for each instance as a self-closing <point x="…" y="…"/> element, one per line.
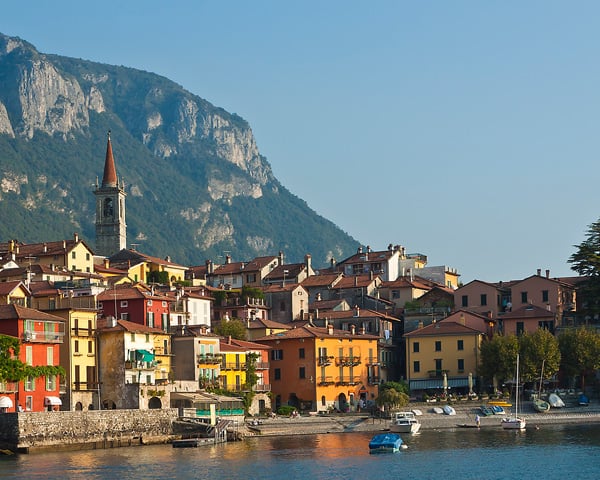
<point x="129" y="292"/>
<point x="443" y="328"/>
<point x="355" y="281"/>
<point x="127" y="326"/>
<point x="408" y="282"/>
<point x="229" y="268"/>
<point x="308" y="331"/>
<point x="368" y="257"/>
<point x="14" y="312"/>
<point x="275" y="288"/>
<point x="7" y="288"/>
<point x="249" y="345"/>
<point x="528" y="311"/>
<point x="259" y="262"/>
<point x="263" y="323"/>
<point x="110" y="172"/>
<point x="292" y="269"/>
<point x="327" y="279"/>
<point x="225" y="346"/>
<point x="327" y="304"/>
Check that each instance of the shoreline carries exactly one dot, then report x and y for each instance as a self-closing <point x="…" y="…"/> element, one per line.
<point x="465" y="415"/>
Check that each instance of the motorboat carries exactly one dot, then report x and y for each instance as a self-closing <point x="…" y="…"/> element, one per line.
<point x="448" y="410"/>
<point x="555" y="401"/>
<point x="404" y="422"/>
<point x="385" y="443"/>
<point x="514" y="422"/>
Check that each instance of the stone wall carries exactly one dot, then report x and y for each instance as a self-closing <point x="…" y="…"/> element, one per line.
<point x="26" y="432"/>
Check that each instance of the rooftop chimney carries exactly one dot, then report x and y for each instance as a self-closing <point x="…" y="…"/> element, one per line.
<point x="353" y="329"/>
<point x="329" y="329"/>
<point x="76" y="237"/>
<point x="547" y="273"/>
<point x="359" y="250"/>
<point x="308" y="262"/>
<point x="539" y="272"/>
<point x="280" y="257"/>
<point x="227" y="259"/>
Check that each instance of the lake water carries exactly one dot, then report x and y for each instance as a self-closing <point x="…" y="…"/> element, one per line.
<point x="565" y="452"/>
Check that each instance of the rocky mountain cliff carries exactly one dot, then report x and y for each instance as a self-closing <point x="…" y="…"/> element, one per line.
<point x="196" y="182"/>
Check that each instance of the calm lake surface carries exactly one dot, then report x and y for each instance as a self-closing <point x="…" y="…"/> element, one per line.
<point x="566" y="452"/>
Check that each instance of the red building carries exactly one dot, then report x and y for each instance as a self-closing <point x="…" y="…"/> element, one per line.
<point x="41" y="336"/>
<point x="137" y="304"/>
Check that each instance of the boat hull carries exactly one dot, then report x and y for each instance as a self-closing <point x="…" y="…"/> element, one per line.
<point x="541" y="406"/>
<point x="385" y="443"/>
<point x="514" y="424"/>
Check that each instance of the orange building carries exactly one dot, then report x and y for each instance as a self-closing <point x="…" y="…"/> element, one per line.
<point x="322" y="369"/>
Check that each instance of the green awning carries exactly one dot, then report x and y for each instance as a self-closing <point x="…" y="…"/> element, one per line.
<point x="144" y="356"/>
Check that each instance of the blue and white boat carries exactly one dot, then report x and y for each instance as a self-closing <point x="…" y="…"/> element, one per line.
<point x="385" y="443"/>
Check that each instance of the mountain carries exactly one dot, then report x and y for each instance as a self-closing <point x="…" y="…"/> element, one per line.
<point x="196" y="183"/>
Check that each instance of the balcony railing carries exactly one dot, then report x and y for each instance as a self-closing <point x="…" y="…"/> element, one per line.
<point x="324" y="381"/>
<point x="325" y="361"/>
<point x="129" y="365"/>
<point x="372" y="361"/>
<point x="262" y="387"/>
<point x="347" y="380"/>
<point x="209" y="358"/>
<point x="35" y="336"/>
<point x="261" y="365"/>
<point x="374" y="380"/>
<point x="233" y="366"/>
<point x="9" y="387"/>
<point x="350" y="361"/>
<point x="437" y="373"/>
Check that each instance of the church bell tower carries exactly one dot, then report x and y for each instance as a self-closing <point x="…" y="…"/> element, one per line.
<point x="111" y="229"/>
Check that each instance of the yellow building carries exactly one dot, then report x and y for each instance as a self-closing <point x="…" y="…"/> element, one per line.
<point x="14" y="292"/>
<point x="141" y="267"/>
<point x="74" y="255"/>
<point x="443" y="357"/>
<point x="233" y="367"/>
<point x="322" y="369"/>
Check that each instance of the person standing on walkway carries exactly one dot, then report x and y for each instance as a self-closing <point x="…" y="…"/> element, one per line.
<point x="477" y="420"/>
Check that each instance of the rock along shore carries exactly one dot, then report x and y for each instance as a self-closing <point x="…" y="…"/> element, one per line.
<point x="465" y="414"/>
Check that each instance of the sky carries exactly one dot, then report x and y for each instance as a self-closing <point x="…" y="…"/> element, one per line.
<point x="466" y="131"/>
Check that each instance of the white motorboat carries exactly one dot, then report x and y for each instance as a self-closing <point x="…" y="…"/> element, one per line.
<point x="448" y="410"/>
<point x="555" y="401"/>
<point x="404" y="422"/>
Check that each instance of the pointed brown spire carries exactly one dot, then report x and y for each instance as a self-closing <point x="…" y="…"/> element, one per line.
<point x="110" y="172"/>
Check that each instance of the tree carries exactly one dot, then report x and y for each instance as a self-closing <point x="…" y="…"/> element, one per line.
<point x="391" y="398"/>
<point x="586" y="262"/>
<point x="580" y="350"/>
<point x="498" y="356"/>
<point x="537" y="347"/>
<point x="234" y="328"/>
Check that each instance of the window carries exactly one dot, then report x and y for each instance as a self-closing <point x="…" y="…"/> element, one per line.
<point x="29" y="355"/>
<point x="164" y="303"/>
<point x="73" y="255"/>
<point x="123" y="303"/>
<point x="302" y="372"/>
<point x="545" y="295"/>
<point x="461" y="365"/>
<point x="460" y="345"/>
<point x="50" y="383"/>
<point x="250" y="277"/>
<point x="415" y="347"/>
<point x="76" y="346"/>
<point x="28" y="403"/>
<point x="276" y="354"/>
<point x="465" y="300"/>
<point x="29" y="384"/>
<point x="483" y="299"/>
<point x="301" y="353"/>
<point x="282" y="306"/>
<point x="87" y="256"/>
<point x="149" y="303"/>
<point x="124" y="316"/>
<point x="416" y="366"/>
<point x="50" y="356"/>
<point x="438" y="345"/>
<point x="277" y="374"/>
<point x="148" y="379"/>
<point x="150" y="319"/>
<point x="438" y="364"/>
<point x="90" y="346"/>
<point x="520" y="328"/>
<point x="523" y="297"/>
<point x="133" y="337"/>
<point x="395" y="293"/>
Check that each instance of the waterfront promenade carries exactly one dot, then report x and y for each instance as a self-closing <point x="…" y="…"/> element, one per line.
<point x="465" y="414"/>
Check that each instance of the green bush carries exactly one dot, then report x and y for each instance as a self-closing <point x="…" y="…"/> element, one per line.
<point x="285" y="410"/>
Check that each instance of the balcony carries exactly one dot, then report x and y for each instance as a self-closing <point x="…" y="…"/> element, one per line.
<point x="261" y="365"/>
<point x="233" y="366"/>
<point x="351" y="361"/>
<point x="325" y="361"/>
<point x="9" y="387"/>
<point x="437" y="373"/>
<point x="35" y="336"/>
<point x="372" y="361"/>
<point x="374" y="380"/>
<point x="347" y="380"/>
<point x="262" y="387"/>
<point x="129" y="365"/>
<point x="211" y="358"/>
<point x="325" y="381"/>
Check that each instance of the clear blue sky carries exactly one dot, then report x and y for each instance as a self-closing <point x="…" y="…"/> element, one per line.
<point x="463" y="130"/>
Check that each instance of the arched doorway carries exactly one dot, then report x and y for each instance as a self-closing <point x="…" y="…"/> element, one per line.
<point x="342" y="402"/>
<point x="109" y="405"/>
<point x="78" y="407"/>
<point x="154" y="403"/>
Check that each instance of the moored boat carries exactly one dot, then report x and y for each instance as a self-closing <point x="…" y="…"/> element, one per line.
<point x="514" y="422"/>
<point x="540" y="405"/>
<point x="555" y="401"/>
<point x="385" y="443"/>
<point x="404" y="422"/>
<point x="448" y="410"/>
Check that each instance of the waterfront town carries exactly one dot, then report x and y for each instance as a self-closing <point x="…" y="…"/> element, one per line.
<point x="109" y="329"/>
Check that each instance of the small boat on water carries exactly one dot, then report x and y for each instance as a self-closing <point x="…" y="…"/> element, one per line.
<point x="555" y="401"/>
<point x="486" y="411"/>
<point x="448" y="410"/>
<point x="404" y="422"/>
<point x="497" y="410"/>
<point x="514" y="422"/>
<point x="385" y="443"/>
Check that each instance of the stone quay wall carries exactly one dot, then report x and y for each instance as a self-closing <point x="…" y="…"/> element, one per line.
<point x="38" y="431"/>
